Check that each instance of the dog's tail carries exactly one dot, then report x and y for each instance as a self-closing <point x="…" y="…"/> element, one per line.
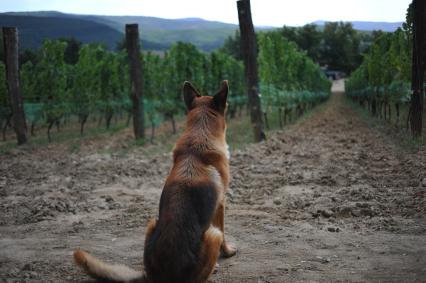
<point x="209" y="252"/>
<point x="107" y="272"/>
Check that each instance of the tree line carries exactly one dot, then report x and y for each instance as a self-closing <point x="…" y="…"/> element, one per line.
<point x="335" y="45"/>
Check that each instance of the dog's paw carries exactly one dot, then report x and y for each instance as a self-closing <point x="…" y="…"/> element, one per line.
<point x="228" y="250"/>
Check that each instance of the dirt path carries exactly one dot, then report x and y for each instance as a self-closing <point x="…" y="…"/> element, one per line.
<point x="327" y="200"/>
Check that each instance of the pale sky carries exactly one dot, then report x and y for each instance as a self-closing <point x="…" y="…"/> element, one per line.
<point x="265" y="12"/>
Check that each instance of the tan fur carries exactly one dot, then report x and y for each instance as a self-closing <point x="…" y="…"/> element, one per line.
<point x="103" y="271"/>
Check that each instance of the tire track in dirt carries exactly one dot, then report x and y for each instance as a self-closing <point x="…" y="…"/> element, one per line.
<point x="326" y="200"/>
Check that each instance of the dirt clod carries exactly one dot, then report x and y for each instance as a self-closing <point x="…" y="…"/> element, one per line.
<point x="333" y="229"/>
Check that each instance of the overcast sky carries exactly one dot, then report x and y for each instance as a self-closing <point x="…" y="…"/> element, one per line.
<point x="265" y="12"/>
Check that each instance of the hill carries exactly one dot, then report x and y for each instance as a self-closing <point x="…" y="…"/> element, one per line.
<point x="34" y="29"/>
<point x="156" y="33"/>
<point x="206" y="35"/>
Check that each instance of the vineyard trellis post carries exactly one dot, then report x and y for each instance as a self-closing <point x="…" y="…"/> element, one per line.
<point x="134" y="55"/>
<point x="248" y="50"/>
<point x="418" y="68"/>
<point x="11" y="53"/>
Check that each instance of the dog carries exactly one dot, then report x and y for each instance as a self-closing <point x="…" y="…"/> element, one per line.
<point x="184" y="243"/>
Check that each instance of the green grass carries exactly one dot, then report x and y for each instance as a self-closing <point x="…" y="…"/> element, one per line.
<point x="68" y="134"/>
<point x="6" y="147"/>
<point x="395" y="130"/>
<point x="239" y="132"/>
<point x="239" y="135"/>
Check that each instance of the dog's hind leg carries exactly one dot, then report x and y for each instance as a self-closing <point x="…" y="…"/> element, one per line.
<point x="209" y="252"/>
<point x="219" y="221"/>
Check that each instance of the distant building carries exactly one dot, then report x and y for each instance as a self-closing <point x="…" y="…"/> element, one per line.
<point x="331" y="74"/>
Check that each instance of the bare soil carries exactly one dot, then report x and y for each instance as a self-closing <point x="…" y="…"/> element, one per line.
<point x="327" y="200"/>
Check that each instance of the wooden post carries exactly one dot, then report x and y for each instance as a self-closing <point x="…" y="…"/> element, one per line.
<point x="11" y="52"/>
<point x="248" y="50"/>
<point x="133" y="51"/>
<point x="418" y="68"/>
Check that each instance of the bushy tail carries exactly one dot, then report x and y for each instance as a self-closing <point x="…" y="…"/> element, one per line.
<point x="102" y="271"/>
<point x="209" y="252"/>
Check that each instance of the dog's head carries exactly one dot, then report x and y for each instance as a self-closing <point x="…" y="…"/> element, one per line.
<point x="193" y="98"/>
<point x="210" y="110"/>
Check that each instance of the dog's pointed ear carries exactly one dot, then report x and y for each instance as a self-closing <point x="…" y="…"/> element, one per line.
<point x="221" y="97"/>
<point x="189" y="94"/>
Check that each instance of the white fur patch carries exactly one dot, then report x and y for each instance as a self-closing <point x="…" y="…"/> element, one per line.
<point x="215" y="231"/>
<point x="227" y="153"/>
<point x="215" y="177"/>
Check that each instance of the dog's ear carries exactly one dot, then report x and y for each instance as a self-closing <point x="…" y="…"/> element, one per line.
<point x="221" y="97"/>
<point x="189" y="94"/>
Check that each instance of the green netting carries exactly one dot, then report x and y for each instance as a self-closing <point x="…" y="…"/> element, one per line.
<point x="396" y="92"/>
<point x="273" y="98"/>
<point x="33" y="111"/>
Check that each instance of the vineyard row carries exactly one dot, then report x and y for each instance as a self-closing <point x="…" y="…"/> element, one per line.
<point x="98" y="83"/>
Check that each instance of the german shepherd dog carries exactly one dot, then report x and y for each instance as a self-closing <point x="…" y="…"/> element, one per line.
<point x="183" y="245"/>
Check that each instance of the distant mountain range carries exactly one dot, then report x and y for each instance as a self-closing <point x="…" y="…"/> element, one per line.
<point x="369" y="26"/>
<point x="156" y="33"/>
